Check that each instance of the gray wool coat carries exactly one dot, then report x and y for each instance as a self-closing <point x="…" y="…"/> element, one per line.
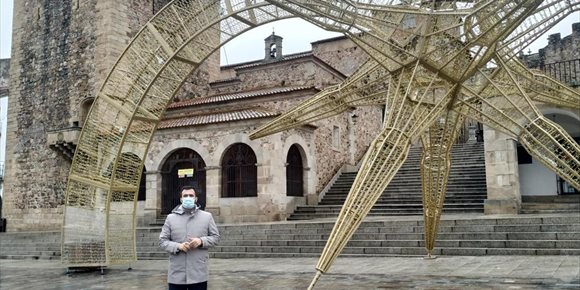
<point x="190" y="267"/>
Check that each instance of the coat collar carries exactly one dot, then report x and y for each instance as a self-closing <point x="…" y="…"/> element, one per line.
<point x="180" y="210"/>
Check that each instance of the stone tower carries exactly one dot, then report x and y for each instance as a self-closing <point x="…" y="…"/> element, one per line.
<point x="61" y="54"/>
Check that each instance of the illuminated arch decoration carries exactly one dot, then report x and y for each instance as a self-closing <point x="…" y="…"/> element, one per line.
<point x="432" y="64"/>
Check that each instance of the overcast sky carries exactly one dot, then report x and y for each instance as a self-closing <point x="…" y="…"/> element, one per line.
<point x="297" y="35"/>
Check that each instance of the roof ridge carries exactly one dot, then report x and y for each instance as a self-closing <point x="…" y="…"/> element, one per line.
<point x="217" y="117"/>
<point x="237" y="95"/>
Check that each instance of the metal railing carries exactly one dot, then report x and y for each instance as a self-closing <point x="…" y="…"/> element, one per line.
<point x="567" y="72"/>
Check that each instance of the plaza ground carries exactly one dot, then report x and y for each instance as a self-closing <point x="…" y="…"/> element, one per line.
<point x="452" y="272"/>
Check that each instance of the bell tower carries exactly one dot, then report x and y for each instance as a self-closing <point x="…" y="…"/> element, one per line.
<point x="273" y="47"/>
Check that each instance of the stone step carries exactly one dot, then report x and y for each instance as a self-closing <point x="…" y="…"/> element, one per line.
<point x="417" y="187"/>
<point x="467" y="177"/>
<point x="29" y="257"/>
<point x="411" y="172"/>
<point x="541" y="206"/>
<point x="290" y="239"/>
<point x="362" y="252"/>
<point x="403" y="202"/>
<point x="411" y="197"/>
<point x="470" y="235"/>
<point x="292" y="245"/>
<point x="411" y="177"/>
<point x="385" y="207"/>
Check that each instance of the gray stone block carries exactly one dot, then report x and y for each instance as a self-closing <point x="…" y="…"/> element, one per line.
<point x="505" y="252"/>
<point x="530" y="244"/>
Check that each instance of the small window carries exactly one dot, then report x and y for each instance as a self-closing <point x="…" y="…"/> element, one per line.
<point x="273" y="50"/>
<point x="84" y="111"/>
<point x="336" y="137"/>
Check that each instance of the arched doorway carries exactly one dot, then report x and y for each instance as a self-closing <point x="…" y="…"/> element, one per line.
<point x="239" y="172"/>
<point x="184" y="167"/>
<point x="294" y="172"/>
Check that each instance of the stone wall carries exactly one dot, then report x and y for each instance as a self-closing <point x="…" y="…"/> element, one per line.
<point x="560" y="59"/>
<point x="4" y="74"/>
<point x="63" y="50"/>
<point x="61" y="53"/>
<point x="562" y="49"/>
<point x="306" y="71"/>
<point x="340" y="53"/>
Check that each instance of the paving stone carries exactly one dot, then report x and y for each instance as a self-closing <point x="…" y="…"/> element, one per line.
<point x="474" y="273"/>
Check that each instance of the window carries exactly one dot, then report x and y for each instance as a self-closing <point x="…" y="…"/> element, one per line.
<point x="84" y="111"/>
<point x="336" y="137"/>
<point x="239" y="172"/>
<point x="294" y="172"/>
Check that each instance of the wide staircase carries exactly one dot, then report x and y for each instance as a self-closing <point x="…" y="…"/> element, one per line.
<point x="551" y="204"/>
<point x="464" y="234"/>
<point x="466" y="188"/>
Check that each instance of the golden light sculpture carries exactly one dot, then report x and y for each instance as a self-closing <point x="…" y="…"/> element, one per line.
<point x="429" y="66"/>
<point x="446" y="60"/>
<point x="100" y="206"/>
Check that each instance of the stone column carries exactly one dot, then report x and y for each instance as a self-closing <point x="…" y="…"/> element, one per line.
<point x="212" y="193"/>
<point x="272" y="199"/>
<point x="152" y="197"/>
<point x="501" y="166"/>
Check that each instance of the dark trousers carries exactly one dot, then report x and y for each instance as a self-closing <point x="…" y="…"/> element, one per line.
<point x="196" y="286"/>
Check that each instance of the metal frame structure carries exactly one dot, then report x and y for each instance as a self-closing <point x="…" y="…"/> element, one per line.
<point x="432" y="63"/>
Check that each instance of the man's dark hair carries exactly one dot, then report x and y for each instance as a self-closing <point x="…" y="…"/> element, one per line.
<point x="187" y="187"/>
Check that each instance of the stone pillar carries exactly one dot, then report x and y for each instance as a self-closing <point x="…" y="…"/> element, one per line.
<point x="212" y="193"/>
<point x="152" y="197"/>
<point x="501" y="166"/>
<point x="272" y="199"/>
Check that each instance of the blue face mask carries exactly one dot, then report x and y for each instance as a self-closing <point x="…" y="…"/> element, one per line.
<point x="188" y="202"/>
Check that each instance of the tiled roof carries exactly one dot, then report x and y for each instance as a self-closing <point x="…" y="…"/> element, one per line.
<point x="284" y="58"/>
<point x="220" y="117"/>
<point x="235" y="96"/>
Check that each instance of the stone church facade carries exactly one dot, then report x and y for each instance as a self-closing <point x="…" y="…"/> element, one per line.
<point x="214" y="131"/>
<point x="62" y="51"/>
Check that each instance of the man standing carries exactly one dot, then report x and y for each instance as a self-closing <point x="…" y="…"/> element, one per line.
<point x="187" y="234"/>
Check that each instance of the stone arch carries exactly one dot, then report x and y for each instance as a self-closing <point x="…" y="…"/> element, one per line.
<point x="156" y="160"/>
<point x="239" y="171"/>
<point x="229" y="140"/>
<point x="535" y="178"/>
<point x="308" y="161"/>
<point x="182" y="159"/>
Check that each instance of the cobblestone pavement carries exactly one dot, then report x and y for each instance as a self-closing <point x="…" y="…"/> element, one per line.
<point x="487" y="272"/>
